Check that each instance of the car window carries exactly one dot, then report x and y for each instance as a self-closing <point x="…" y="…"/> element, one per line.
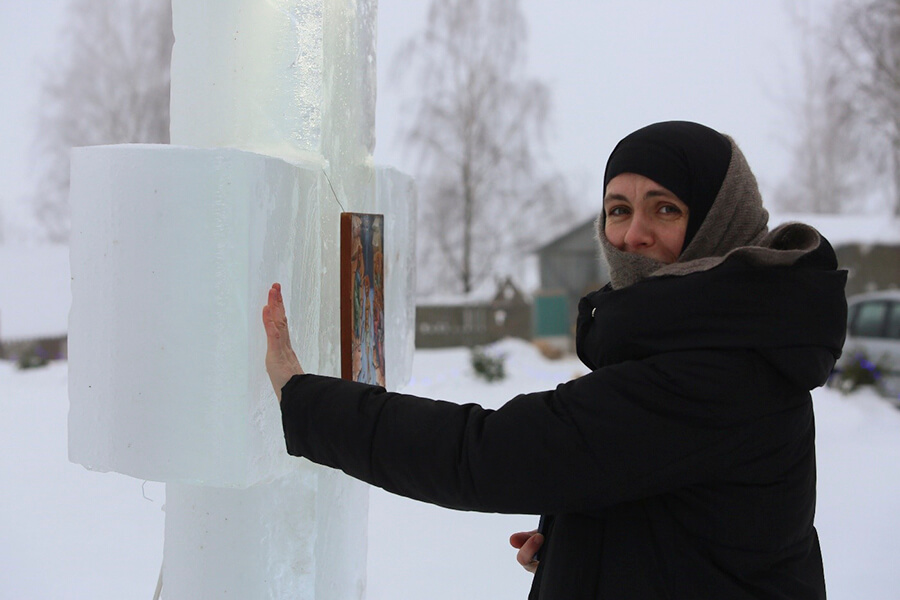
<point x="869" y="321"/>
<point x="893" y="324"/>
<point x="851" y="314"/>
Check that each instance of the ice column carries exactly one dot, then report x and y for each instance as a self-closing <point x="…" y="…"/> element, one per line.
<point x="173" y="249"/>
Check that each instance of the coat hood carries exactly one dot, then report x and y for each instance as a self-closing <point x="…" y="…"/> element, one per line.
<point x="792" y="314"/>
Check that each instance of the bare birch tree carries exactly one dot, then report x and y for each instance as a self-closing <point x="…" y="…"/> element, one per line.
<point x="109" y="85"/>
<point x="848" y="151"/>
<point x="867" y="35"/>
<point x="477" y="126"/>
<point x="830" y="140"/>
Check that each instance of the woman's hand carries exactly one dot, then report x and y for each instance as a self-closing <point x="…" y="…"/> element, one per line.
<point x="528" y="543"/>
<point x="281" y="362"/>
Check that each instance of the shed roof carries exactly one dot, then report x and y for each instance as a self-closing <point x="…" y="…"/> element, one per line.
<point x="576" y="230"/>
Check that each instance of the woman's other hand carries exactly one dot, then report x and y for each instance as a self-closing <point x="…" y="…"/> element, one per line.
<point x="528" y="543"/>
<point x="281" y="362"/>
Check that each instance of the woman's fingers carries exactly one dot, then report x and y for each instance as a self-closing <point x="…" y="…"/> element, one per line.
<point x="270" y="317"/>
<point x="276" y="301"/>
<point x="275" y="321"/>
<point x="517" y="540"/>
<point x="280" y="314"/>
<point x="276" y="308"/>
<point x="281" y="361"/>
<point x="272" y="335"/>
<point x="274" y="311"/>
<point x="528" y="543"/>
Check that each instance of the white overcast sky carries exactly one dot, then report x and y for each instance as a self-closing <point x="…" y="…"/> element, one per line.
<point x="612" y="66"/>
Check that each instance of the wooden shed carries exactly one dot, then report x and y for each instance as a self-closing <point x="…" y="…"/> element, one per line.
<point x="474" y="321"/>
<point x="570" y="266"/>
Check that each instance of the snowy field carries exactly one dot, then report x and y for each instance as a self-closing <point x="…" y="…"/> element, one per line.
<point x="70" y="533"/>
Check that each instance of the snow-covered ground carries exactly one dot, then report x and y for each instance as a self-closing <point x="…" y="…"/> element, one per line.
<point x="70" y="533"/>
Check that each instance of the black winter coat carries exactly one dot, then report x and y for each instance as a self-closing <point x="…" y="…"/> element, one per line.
<point x="682" y="466"/>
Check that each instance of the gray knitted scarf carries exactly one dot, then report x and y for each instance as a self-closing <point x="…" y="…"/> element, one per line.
<point x="737" y="224"/>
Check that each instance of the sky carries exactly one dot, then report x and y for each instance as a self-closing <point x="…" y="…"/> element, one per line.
<point x="612" y="66"/>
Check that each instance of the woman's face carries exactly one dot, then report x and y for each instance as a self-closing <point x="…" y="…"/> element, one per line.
<point x="644" y="218"/>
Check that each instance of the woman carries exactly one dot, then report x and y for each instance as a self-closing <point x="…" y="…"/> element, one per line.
<point x="683" y="465"/>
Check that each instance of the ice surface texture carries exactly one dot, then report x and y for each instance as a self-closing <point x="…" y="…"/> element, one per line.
<point x="301" y="536"/>
<point x="286" y="78"/>
<point x="173" y="250"/>
<point x="396" y="199"/>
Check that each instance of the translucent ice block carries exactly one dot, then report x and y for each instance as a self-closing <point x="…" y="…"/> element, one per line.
<point x="285" y="78"/>
<point x="300" y="537"/>
<point x="348" y="121"/>
<point x="172" y="252"/>
<point x="395" y="197"/>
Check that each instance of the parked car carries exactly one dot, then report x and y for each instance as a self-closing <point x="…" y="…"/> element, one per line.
<point x="873" y="341"/>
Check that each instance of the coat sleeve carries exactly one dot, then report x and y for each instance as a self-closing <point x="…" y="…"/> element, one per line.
<point x="620" y="433"/>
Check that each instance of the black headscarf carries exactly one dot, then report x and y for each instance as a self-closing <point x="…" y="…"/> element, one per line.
<point x="688" y="159"/>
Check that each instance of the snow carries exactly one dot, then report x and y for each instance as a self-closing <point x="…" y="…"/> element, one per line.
<point x="67" y="532"/>
<point x="858" y="451"/>
<point x="71" y="533"/>
<point x="34" y="291"/>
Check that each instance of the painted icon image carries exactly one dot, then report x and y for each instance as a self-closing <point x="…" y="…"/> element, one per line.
<point x="362" y="298"/>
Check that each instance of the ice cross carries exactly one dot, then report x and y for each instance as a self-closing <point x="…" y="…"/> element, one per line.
<point x="173" y="249"/>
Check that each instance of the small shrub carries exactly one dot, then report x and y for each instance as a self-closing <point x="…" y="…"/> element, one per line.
<point x="549" y="350"/>
<point x="31" y="358"/>
<point x="859" y="371"/>
<point x="489" y="367"/>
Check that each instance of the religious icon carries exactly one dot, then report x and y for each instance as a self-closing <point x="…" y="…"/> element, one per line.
<point x="362" y="298"/>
